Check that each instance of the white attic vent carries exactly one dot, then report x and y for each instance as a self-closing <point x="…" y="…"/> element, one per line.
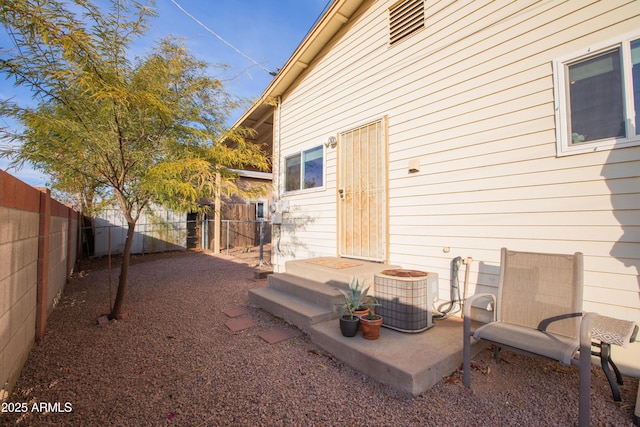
<point x="405" y="18"/>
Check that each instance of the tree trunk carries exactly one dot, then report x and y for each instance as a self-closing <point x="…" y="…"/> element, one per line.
<point x="124" y="272"/>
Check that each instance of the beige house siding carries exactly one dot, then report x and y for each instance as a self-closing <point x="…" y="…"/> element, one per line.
<point x="471" y="97"/>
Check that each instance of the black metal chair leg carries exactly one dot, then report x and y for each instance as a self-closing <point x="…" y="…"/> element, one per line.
<point x="616" y="370"/>
<point x="605" y="359"/>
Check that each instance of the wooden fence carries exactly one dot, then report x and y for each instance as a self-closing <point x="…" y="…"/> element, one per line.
<point x="240" y="228"/>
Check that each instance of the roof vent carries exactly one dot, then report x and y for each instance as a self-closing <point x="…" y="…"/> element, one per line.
<point x="405" y="18"/>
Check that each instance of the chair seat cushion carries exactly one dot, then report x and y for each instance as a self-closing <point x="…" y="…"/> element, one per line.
<point x="557" y="347"/>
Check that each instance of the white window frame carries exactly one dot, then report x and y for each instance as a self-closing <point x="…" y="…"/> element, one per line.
<point x="564" y="145"/>
<point x="301" y="155"/>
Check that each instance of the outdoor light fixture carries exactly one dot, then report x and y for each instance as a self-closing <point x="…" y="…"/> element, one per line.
<point x="414" y="166"/>
<point x="331" y="142"/>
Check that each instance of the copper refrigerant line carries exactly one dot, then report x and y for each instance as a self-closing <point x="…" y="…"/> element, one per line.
<point x="442" y="309"/>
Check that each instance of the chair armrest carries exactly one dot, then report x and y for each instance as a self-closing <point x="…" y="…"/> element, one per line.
<point x="613" y="331"/>
<point x="473" y="298"/>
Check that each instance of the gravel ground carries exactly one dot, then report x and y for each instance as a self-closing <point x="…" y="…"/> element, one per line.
<point x="173" y="362"/>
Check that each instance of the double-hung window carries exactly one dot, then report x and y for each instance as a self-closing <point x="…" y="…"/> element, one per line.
<point x="305" y="170"/>
<point x="598" y="97"/>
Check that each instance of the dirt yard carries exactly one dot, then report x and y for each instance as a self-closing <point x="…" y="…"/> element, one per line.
<point x="174" y="361"/>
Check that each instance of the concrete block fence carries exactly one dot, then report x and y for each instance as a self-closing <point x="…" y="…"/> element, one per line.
<point x="38" y="249"/>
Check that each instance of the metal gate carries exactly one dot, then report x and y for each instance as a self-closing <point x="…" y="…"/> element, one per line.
<point x="362" y="193"/>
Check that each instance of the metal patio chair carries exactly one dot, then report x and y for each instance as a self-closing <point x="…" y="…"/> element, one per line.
<point x="538" y="311"/>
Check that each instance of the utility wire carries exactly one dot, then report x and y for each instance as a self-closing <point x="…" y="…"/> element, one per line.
<point x="273" y="73"/>
<point x="322" y="12"/>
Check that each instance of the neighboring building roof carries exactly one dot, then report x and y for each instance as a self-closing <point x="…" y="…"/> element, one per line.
<point x="267" y="176"/>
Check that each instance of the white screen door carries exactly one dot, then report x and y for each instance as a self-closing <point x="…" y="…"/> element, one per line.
<point x="361" y="192"/>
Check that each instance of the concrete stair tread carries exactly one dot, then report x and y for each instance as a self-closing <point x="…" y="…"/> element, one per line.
<point x="338" y="277"/>
<point x="328" y="288"/>
<point x="293" y="309"/>
<point x="322" y="294"/>
<point x="291" y="301"/>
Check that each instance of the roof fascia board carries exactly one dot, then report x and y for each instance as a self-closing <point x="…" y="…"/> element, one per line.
<point x="267" y="176"/>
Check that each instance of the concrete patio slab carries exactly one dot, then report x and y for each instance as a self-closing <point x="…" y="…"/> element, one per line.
<point x="306" y="297"/>
<point x="409" y="362"/>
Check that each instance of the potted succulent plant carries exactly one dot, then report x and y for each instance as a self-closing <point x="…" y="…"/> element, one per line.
<point x="349" y="325"/>
<point x="371" y="324"/>
<point x="354" y="299"/>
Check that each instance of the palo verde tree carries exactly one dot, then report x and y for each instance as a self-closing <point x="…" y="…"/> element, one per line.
<point x="145" y="131"/>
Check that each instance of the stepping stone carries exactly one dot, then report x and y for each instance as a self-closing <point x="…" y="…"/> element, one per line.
<point x="103" y="320"/>
<point x="125" y="315"/>
<point x="261" y="274"/>
<point x="276" y="335"/>
<point x="236" y="311"/>
<point x="239" y="324"/>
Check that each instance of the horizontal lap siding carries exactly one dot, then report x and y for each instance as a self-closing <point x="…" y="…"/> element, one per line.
<point x="484" y="133"/>
<point x="471" y="97"/>
<point x="309" y="118"/>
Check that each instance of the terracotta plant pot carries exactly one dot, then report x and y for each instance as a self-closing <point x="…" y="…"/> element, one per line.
<point x="349" y="326"/>
<point x="371" y="327"/>
<point x="361" y="312"/>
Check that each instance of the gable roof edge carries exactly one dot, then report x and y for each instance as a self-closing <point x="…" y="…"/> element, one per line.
<point x="322" y="32"/>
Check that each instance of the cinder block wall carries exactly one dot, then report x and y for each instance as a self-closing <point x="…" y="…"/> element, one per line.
<point x="58" y="251"/>
<point x="38" y="247"/>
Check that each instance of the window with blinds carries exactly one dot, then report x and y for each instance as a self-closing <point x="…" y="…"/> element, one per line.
<point x="405" y="18"/>
<point x="597" y="93"/>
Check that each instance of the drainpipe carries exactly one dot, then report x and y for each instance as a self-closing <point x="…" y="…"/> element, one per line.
<point x="278" y="140"/>
<point x="276" y="230"/>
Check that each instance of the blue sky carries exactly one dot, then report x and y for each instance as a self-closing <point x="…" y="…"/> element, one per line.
<point x="268" y="31"/>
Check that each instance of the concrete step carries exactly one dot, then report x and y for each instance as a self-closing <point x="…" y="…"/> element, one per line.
<point x="293" y="309"/>
<point x="324" y="295"/>
<point x="336" y="272"/>
<point x="410" y="362"/>
<point x="306" y="297"/>
<point x="308" y="292"/>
